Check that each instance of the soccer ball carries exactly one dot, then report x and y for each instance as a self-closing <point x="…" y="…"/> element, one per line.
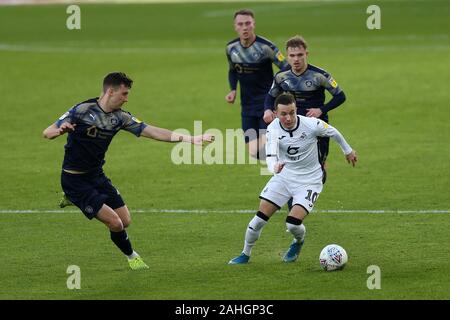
<point x="333" y="257"/>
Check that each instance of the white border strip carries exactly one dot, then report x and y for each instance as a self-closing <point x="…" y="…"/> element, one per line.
<point x="225" y="211"/>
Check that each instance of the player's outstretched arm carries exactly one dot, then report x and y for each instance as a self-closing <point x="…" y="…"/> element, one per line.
<point x="162" y="134"/>
<point x="54" y="131"/>
<point x="325" y="130"/>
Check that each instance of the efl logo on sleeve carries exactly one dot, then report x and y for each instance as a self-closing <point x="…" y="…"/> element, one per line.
<point x="332" y="82"/>
<point x="280" y="56"/>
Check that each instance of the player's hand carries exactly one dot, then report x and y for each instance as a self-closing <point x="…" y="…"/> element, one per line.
<point x="352" y="158"/>
<point x="198" y="140"/>
<point x="66" y="127"/>
<point x="231" y="96"/>
<point x="314" y="112"/>
<point x="269" y="116"/>
<point x="278" y="167"/>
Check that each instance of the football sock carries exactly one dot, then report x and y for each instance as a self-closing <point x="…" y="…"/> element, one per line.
<point x="121" y="240"/>
<point x="253" y="231"/>
<point x="296" y="227"/>
<point x="133" y="255"/>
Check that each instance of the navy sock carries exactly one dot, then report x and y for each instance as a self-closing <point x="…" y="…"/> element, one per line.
<point x="121" y="240"/>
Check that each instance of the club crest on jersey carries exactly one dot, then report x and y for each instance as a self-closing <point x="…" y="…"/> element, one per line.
<point x="114" y="121"/>
<point x="303" y="135"/>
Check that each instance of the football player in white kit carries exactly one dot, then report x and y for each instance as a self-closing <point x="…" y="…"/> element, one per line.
<point x="292" y="156"/>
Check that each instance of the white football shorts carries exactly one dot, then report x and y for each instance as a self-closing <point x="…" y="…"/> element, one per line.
<point x="279" y="191"/>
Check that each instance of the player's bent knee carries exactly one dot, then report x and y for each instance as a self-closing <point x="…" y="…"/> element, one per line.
<point x="126" y="222"/>
<point x="116" y="225"/>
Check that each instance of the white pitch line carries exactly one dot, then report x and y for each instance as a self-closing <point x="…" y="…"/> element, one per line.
<point x="204" y="211"/>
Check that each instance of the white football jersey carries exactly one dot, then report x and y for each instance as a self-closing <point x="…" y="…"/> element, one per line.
<point x="297" y="148"/>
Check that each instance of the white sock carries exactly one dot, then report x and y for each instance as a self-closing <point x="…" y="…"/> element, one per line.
<point x="298" y="231"/>
<point x="133" y="255"/>
<point x="252" y="234"/>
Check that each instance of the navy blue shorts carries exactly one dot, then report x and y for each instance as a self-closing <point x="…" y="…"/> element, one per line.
<point x="89" y="191"/>
<point x="252" y="127"/>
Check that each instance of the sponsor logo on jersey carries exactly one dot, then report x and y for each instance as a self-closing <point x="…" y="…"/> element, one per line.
<point x="292" y="150"/>
<point x="308" y="83"/>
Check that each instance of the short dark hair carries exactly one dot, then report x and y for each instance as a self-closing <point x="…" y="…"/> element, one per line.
<point x="285" y="98"/>
<point x="115" y="79"/>
<point x="296" y="42"/>
<point x="244" y="12"/>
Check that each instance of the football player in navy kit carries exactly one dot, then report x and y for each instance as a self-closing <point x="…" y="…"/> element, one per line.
<point x="250" y="59"/>
<point x="308" y="84"/>
<point x="91" y="126"/>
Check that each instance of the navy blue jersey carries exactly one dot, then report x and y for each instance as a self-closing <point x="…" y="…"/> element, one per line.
<point x="252" y="68"/>
<point x="87" y="144"/>
<point x="308" y="89"/>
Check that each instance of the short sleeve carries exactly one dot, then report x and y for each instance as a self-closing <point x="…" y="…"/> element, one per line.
<point x="275" y="89"/>
<point x="330" y="84"/>
<point x="69" y="116"/>
<point x="132" y="124"/>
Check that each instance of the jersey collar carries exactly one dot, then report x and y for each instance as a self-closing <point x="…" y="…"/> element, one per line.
<point x="291" y="131"/>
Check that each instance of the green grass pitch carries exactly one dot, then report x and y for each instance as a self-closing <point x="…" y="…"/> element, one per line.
<point x="396" y="116"/>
